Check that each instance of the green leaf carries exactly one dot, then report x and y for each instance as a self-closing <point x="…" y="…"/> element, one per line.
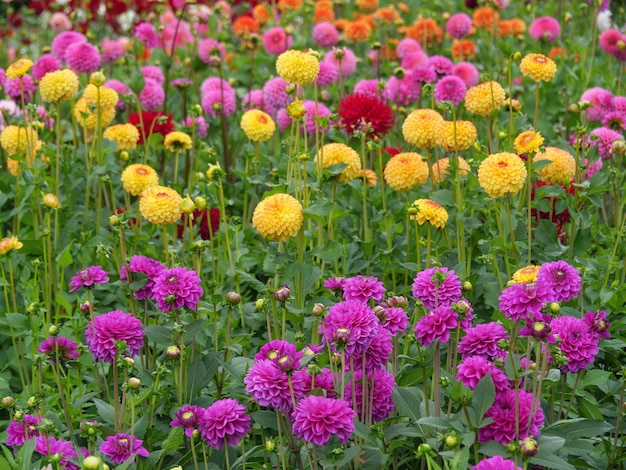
<point x="64" y="259"/>
<point x="197" y="378"/>
<point x="484" y="396"/>
<point x="594" y="377"/>
<point x="158" y="334"/>
<point x="551" y="461"/>
<point x="173" y="441"/>
<point x="407" y="402"/>
<point x="105" y="410"/>
<point x="328" y="252"/>
<point x="265" y="418"/>
<point x="251" y="281"/>
<point x="438" y="423"/>
<point x="348" y="454"/>
<point x="443" y="197"/>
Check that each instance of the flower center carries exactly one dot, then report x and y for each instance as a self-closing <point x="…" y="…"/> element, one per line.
<point x="540" y="59"/>
<point x="559" y="275"/>
<point x="141" y="171"/>
<point x="262" y="119"/>
<point x="503" y="164"/>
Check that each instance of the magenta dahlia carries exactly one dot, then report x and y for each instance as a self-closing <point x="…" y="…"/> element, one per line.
<point x="436" y="325"/>
<point x="435" y="287"/>
<point x="316" y="419"/>
<point x="225" y="422"/>
<point x="177" y="288"/>
<point x="121" y="447"/>
<point x="351" y="326"/>
<point x="106" y="330"/>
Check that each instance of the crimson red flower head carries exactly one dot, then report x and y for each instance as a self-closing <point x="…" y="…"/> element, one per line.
<point x="153" y="123"/>
<point x="209" y="220"/>
<point x="365" y="113"/>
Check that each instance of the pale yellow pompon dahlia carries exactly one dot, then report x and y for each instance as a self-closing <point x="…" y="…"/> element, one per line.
<point x="136" y="178"/>
<point x="526" y="275"/>
<point x="420" y="126"/>
<point x="441" y="167"/>
<point x="336" y="153"/>
<point x="177" y="141"/>
<point x="58" y="86"/>
<point x="298" y="67"/>
<point x="257" y="125"/>
<point x="430" y="211"/>
<point x="160" y="205"/>
<point x="125" y="135"/>
<point x="9" y="244"/>
<point x="561" y="170"/>
<point x="528" y="142"/>
<point x="19" y="68"/>
<point x="484" y="98"/>
<point x="502" y="173"/>
<point x="465" y="135"/>
<point x="278" y="217"/>
<point x="405" y="170"/>
<point x="21" y="142"/>
<point x="102" y="97"/>
<point x="89" y="120"/>
<point x="538" y="67"/>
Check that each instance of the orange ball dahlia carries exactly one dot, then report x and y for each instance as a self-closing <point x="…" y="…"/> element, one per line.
<point x="420" y="126"/>
<point x="136" y="178"/>
<point x="561" y="170"/>
<point x="278" y="217"/>
<point x="502" y="173"/>
<point x="405" y="170"/>
<point x="430" y="211"/>
<point x="160" y="205"/>
<point x="337" y="153"/>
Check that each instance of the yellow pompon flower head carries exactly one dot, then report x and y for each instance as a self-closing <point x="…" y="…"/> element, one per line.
<point x="160" y="205"/>
<point x="561" y="170"/>
<point x="466" y="135"/>
<point x="88" y="119"/>
<point x="8" y="244"/>
<point x="484" y="98"/>
<point x="368" y="176"/>
<point x="177" y="141"/>
<point x="125" y="135"/>
<point x="430" y="211"/>
<point x="502" y="173"/>
<point x="405" y="170"/>
<point x="257" y="125"/>
<point x="101" y="97"/>
<point x="278" y="217"/>
<point x="526" y="275"/>
<point x="136" y="178"/>
<point x="298" y="67"/>
<point x="419" y="128"/>
<point x="336" y="153"/>
<point x="19" y="68"/>
<point x="528" y="142"/>
<point x="538" y="67"/>
<point x="59" y="86"/>
<point x="441" y="167"/>
<point x="20" y="142"/>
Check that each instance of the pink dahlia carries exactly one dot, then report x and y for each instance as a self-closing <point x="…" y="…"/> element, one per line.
<point x="605" y="138"/>
<point x="275" y="94"/>
<point x="22" y="430"/>
<point x="544" y="28"/>
<point x="436" y="325"/>
<point x="436" y="287"/>
<point x="112" y="51"/>
<point x="577" y="341"/>
<point x="121" y="447"/>
<point x="394" y="320"/>
<point x="49" y="446"/>
<point x="363" y="288"/>
<point x="602" y="103"/>
<point x="377" y="354"/>
<point x="104" y="331"/>
<point x="147" y="35"/>
<point x="46" y="63"/>
<point x="441" y="65"/>
<point x="563" y="279"/>
<point x="276" y="40"/>
<point x="325" y="34"/>
<point x="335" y="283"/>
<point x="153" y="73"/>
<point x="217" y="96"/>
<point x="318" y="418"/>
<point x="152" y="96"/>
<point x="406" y="90"/>
<point x="458" y="25"/>
<point x="269" y="385"/>
<point x="503" y="412"/>
<point x="351" y="326"/>
<point x="82" y="57"/>
<point x="88" y="277"/>
<point x="414" y="60"/>
<point x="450" y="88"/>
<point x="519" y="301"/>
<point x="329" y="73"/>
<point x="63" y="40"/>
<point x="177" y="288"/>
<point x="474" y="368"/>
<point x="407" y="46"/>
<point x="496" y="463"/>
<point x="149" y="267"/>
<point x="282" y="353"/>
<point x="483" y="341"/>
<point x="538" y="326"/>
<point x="467" y="72"/>
<point x="225" y="422"/>
<point x="596" y="321"/>
<point x="187" y="418"/>
<point x="377" y="388"/>
<point x="344" y="59"/>
<point x="59" y="346"/>
<point x="14" y="90"/>
<point x="211" y="51"/>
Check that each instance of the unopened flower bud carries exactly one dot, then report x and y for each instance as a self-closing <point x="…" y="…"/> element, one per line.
<point x="380" y="312"/>
<point x="398" y="301"/>
<point x="463" y="306"/>
<point x="399" y="73"/>
<point x="114" y="220"/>
<point x="412" y="210"/>
<point x="32" y="401"/>
<point x="50" y="200"/>
<point x="341" y="335"/>
<point x="134" y="383"/>
<point x="452" y="440"/>
<point x="282" y="294"/>
<point x="502" y="135"/>
<point x="233" y="298"/>
<point x="172" y="352"/>
<point x="124" y="156"/>
<point x="97" y="79"/>
<point x="53" y="330"/>
<point x="517" y="56"/>
<point x="285" y="363"/>
<point x="318" y="309"/>
<point x="86" y="307"/>
<point x="270" y="446"/>
<point x="529" y="447"/>
<point x="290" y="89"/>
<point x="130" y="362"/>
<point x="187" y="206"/>
<point x="259" y="304"/>
<point x="200" y="202"/>
<point x="296" y="109"/>
<point x="618" y="147"/>
<point x="8" y="401"/>
<point x="555" y="307"/>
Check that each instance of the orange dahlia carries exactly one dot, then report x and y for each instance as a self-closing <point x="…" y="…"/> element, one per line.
<point x="425" y="31"/>
<point x="278" y="217"/>
<point x="420" y="126"/>
<point x="357" y="31"/>
<point x="367" y="5"/>
<point x="430" y="211"/>
<point x="502" y="173"/>
<point x="405" y="170"/>
<point x="528" y="142"/>
<point x="441" y="166"/>
<point x="561" y="170"/>
<point x="261" y="14"/>
<point x="19" y="68"/>
<point x="290" y="5"/>
<point x="526" y="275"/>
<point x="538" y="67"/>
<point x="138" y="177"/>
<point x="323" y="15"/>
<point x="463" y="49"/>
<point x="485" y="18"/>
<point x="337" y="153"/>
<point x="245" y="25"/>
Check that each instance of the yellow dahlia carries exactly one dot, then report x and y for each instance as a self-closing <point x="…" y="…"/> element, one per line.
<point x="560" y="171"/>
<point x="59" y="86"/>
<point x="19" y="68"/>
<point x="482" y="99"/>
<point x="88" y="119"/>
<point x="9" y="244"/>
<point x="336" y="153"/>
<point x="257" y="125"/>
<point x="404" y="170"/>
<point x="21" y="142"/>
<point x="278" y="217"/>
<point x="440" y="168"/>
<point x="502" y="173"/>
<point x="526" y="275"/>
<point x="430" y="211"/>
<point x="368" y="176"/>
<point x="136" y="178"/>
<point x="101" y="97"/>
<point x="538" y="67"/>
<point x="160" y="205"/>
<point x="419" y="128"/>
<point x="297" y="67"/>
<point x="177" y="141"/>
<point x="465" y="135"/>
<point x="125" y="135"/>
<point x="528" y="142"/>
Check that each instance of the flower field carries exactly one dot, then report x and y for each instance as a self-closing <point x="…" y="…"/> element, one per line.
<point x="310" y="234"/>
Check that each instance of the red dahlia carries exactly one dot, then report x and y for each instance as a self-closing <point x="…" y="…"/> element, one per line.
<point x="153" y="123"/>
<point x="365" y="113"/>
